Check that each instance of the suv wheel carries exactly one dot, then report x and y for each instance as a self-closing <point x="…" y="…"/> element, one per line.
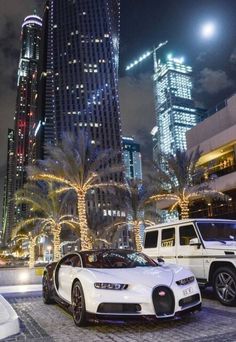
<point x="224" y="283"/>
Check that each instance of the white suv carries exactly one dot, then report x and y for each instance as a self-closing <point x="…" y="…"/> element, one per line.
<point x="206" y="246"/>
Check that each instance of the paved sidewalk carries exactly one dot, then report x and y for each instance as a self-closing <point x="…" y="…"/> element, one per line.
<point x="20" y="288"/>
<point x="47" y="323"/>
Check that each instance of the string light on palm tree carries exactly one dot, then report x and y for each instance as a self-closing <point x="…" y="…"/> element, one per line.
<point x="48" y="210"/>
<point x="134" y="199"/>
<point x="32" y="240"/>
<point x="181" y="182"/>
<point x="78" y="167"/>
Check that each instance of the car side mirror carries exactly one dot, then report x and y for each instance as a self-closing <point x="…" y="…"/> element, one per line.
<point x="195" y="242"/>
<point x="160" y="260"/>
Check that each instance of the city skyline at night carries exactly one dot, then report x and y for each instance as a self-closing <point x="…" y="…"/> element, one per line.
<point x="212" y="58"/>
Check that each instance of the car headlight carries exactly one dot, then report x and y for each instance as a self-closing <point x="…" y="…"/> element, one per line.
<point x="185" y="281"/>
<point x="110" y="286"/>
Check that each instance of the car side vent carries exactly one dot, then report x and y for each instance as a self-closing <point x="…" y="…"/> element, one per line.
<point x="229" y="253"/>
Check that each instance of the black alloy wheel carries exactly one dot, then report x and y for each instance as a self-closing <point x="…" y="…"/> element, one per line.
<point x="224" y="283"/>
<point x="47" y="297"/>
<point x="78" y="305"/>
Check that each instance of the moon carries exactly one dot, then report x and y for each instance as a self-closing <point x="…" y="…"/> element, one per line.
<point x="208" y="30"/>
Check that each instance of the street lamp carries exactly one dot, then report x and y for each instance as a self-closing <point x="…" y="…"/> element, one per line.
<point x="49" y="248"/>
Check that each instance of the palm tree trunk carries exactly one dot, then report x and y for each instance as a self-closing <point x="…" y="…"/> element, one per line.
<point x="184" y="210"/>
<point x="31" y="253"/>
<point x="86" y="243"/>
<point x="56" y="243"/>
<point x="137" y="237"/>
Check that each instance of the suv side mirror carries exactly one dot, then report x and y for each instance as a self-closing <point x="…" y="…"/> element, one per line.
<point x="195" y="242"/>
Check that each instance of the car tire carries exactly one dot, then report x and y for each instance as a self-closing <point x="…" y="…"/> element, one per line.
<point x="224" y="284"/>
<point x="78" y="305"/>
<point x="46" y="290"/>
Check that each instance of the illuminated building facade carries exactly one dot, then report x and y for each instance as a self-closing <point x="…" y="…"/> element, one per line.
<point x="26" y="92"/>
<point x="79" y="75"/>
<point x="215" y="137"/>
<point x="8" y="187"/>
<point x="174" y="106"/>
<point x="25" y="120"/>
<point x="80" y="71"/>
<point x="132" y="158"/>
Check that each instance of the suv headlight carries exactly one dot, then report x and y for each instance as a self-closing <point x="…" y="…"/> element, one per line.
<point x="185" y="281"/>
<point x="110" y="286"/>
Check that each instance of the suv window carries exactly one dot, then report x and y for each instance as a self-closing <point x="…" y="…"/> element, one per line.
<point x="217" y="231"/>
<point x="186" y="233"/>
<point x="168" y="237"/>
<point x="151" y="239"/>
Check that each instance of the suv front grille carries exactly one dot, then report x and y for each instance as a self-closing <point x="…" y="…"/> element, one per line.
<point x="163" y="301"/>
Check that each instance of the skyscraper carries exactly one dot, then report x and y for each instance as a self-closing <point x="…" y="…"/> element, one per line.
<point x="8" y="187"/>
<point x="25" y="120"/>
<point x="175" y="111"/>
<point x="132" y="158"/>
<point x="79" y="72"/>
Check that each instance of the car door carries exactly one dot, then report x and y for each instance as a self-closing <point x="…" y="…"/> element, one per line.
<point x="168" y="245"/>
<point x="73" y="273"/>
<point x="187" y="255"/>
<point x="64" y="274"/>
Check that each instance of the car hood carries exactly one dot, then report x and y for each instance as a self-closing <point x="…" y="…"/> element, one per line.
<point x="147" y="276"/>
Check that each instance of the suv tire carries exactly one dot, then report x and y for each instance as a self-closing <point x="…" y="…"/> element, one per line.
<point x="224" y="284"/>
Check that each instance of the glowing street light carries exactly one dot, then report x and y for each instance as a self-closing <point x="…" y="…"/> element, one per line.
<point x="49" y="248"/>
<point x="208" y="30"/>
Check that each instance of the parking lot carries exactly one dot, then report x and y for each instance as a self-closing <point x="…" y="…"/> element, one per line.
<point x="41" y="323"/>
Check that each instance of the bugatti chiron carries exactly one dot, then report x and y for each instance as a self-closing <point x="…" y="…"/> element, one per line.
<point x="119" y="283"/>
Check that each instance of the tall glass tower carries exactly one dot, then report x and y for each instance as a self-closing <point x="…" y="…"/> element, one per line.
<point x="175" y="110"/>
<point x="25" y="116"/>
<point x="8" y="187"/>
<point x="132" y="158"/>
<point x="25" y="119"/>
<point x="79" y="73"/>
<point x="79" y="77"/>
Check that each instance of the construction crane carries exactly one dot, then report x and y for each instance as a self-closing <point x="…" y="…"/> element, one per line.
<point x="146" y="55"/>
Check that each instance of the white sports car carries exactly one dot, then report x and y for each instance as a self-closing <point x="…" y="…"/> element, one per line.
<point x="114" y="283"/>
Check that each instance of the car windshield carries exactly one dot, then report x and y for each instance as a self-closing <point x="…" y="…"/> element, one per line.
<point x="217" y="231"/>
<point x="116" y="259"/>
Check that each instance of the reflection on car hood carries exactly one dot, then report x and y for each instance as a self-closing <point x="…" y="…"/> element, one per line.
<point x="147" y="276"/>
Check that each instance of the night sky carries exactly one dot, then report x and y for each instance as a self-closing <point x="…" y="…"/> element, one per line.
<point x="144" y="23"/>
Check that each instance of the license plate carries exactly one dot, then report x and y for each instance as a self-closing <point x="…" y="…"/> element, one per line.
<point x="187" y="291"/>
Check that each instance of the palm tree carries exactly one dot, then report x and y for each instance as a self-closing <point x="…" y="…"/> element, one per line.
<point x="135" y="198"/>
<point x="77" y="165"/>
<point x="102" y="230"/>
<point x="47" y="211"/>
<point x="181" y="182"/>
<point x="32" y="238"/>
